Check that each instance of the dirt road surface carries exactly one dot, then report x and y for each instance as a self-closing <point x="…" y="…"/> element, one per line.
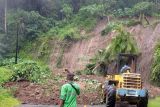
<point x="58" y="106"/>
<point x="78" y="106"/>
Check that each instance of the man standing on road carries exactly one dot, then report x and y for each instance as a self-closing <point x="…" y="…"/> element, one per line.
<point x="69" y="92"/>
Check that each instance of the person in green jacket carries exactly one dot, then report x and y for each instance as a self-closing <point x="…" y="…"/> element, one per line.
<point x="69" y="92"/>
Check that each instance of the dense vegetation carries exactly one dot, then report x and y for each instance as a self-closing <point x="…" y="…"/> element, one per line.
<point x="24" y="70"/>
<point x="62" y="19"/>
<point x="155" y="74"/>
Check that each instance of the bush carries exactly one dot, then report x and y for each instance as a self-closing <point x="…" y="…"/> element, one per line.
<point x="66" y="32"/>
<point x="93" y="10"/>
<point x="110" y="26"/>
<point x="38" y="50"/>
<point x="155" y="71"/>
<point x="5" y="75"/>
<point x="7" y="61"/>
<point x="6" y="99"/>
<point x="88" y="72"/>
<point x="143" y="7"/>
<point x="32" y="71"/>
<point x="114" y="25"/>
<point x="86" y="23"/>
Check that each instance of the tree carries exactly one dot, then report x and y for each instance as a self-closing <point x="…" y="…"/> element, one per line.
<point x="5" y="16"/>
<point x="67" y="11"/>
<point x="75" y="5"/>
<point x="143" y="9"/>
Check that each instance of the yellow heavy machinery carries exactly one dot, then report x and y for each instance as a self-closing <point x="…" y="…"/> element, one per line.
<point x="125" y="85"/>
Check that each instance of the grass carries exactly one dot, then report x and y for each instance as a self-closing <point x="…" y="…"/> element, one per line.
<point x="154" y="102"/>
<point x="5" y="75"/>
<point x="6" y="99"/>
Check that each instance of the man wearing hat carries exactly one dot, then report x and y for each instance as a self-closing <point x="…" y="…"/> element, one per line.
<point x="69" y="92"/>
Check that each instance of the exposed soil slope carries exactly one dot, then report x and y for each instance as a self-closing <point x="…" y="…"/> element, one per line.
<point x="146" y="39"/>
<point x="78" y="55"/>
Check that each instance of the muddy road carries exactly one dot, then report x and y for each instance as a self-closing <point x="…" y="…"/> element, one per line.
<point x="58" y="106"/>
<point x="26" y="105"/>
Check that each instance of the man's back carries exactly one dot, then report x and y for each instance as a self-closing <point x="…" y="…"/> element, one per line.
<point x="69" y="94"/>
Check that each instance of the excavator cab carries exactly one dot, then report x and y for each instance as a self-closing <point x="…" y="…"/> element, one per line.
<point x="127" y="62"/>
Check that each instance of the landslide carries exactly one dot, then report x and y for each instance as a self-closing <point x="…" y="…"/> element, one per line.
<point x="78" y="54"/>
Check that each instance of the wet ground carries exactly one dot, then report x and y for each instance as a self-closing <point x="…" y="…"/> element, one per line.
<point x="58" y="106"/>
<point x="78" y="106"/>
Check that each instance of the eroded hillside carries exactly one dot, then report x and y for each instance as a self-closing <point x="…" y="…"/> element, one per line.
<point x="78" y="54"/>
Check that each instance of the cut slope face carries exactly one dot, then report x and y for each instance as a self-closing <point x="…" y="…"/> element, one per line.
<point x="79" y="54"/>
<point x="146" y="39"/>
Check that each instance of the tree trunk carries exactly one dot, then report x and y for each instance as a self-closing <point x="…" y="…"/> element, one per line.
<point x="75" y="5"/>
<point x="147" y="20"/>
<point x="108" y="19"/>
<point x="5" y="16"/>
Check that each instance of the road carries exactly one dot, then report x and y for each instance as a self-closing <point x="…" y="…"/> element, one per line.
<point x="26" y="105"/>
<point x="58" y="106"/>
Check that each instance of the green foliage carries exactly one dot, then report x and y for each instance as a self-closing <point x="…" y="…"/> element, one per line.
<point x="143" y="7"/>
<point x="123" y="43"/>
<point x="155" y="72"/>
<point x="93" y="10"/>
<point x="88" y="72"/>
<point x="31" y="71"/>
<point x="109" y="28"/>
<point x="84" y="22"/>
<point x="67" y="32"/>
<point x="7" y="100"/>
<point x="116" y="24"/>
<point x="38" y="50"/>
<point x="127" y="12"/>
<point x="32" y="23"/>
<point x="25" y="69"/>
<point x="43" y="46"/>
<point x="2" y="45"/>
<point x="137" y="9"/>
<point x="67" y="10"/>
<point x="71" y="30"/>
<point x="7" y="61"/>
<point x="5" y="75"/>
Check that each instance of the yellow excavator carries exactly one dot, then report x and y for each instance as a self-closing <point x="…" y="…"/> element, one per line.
<point x="125" y="85"/>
